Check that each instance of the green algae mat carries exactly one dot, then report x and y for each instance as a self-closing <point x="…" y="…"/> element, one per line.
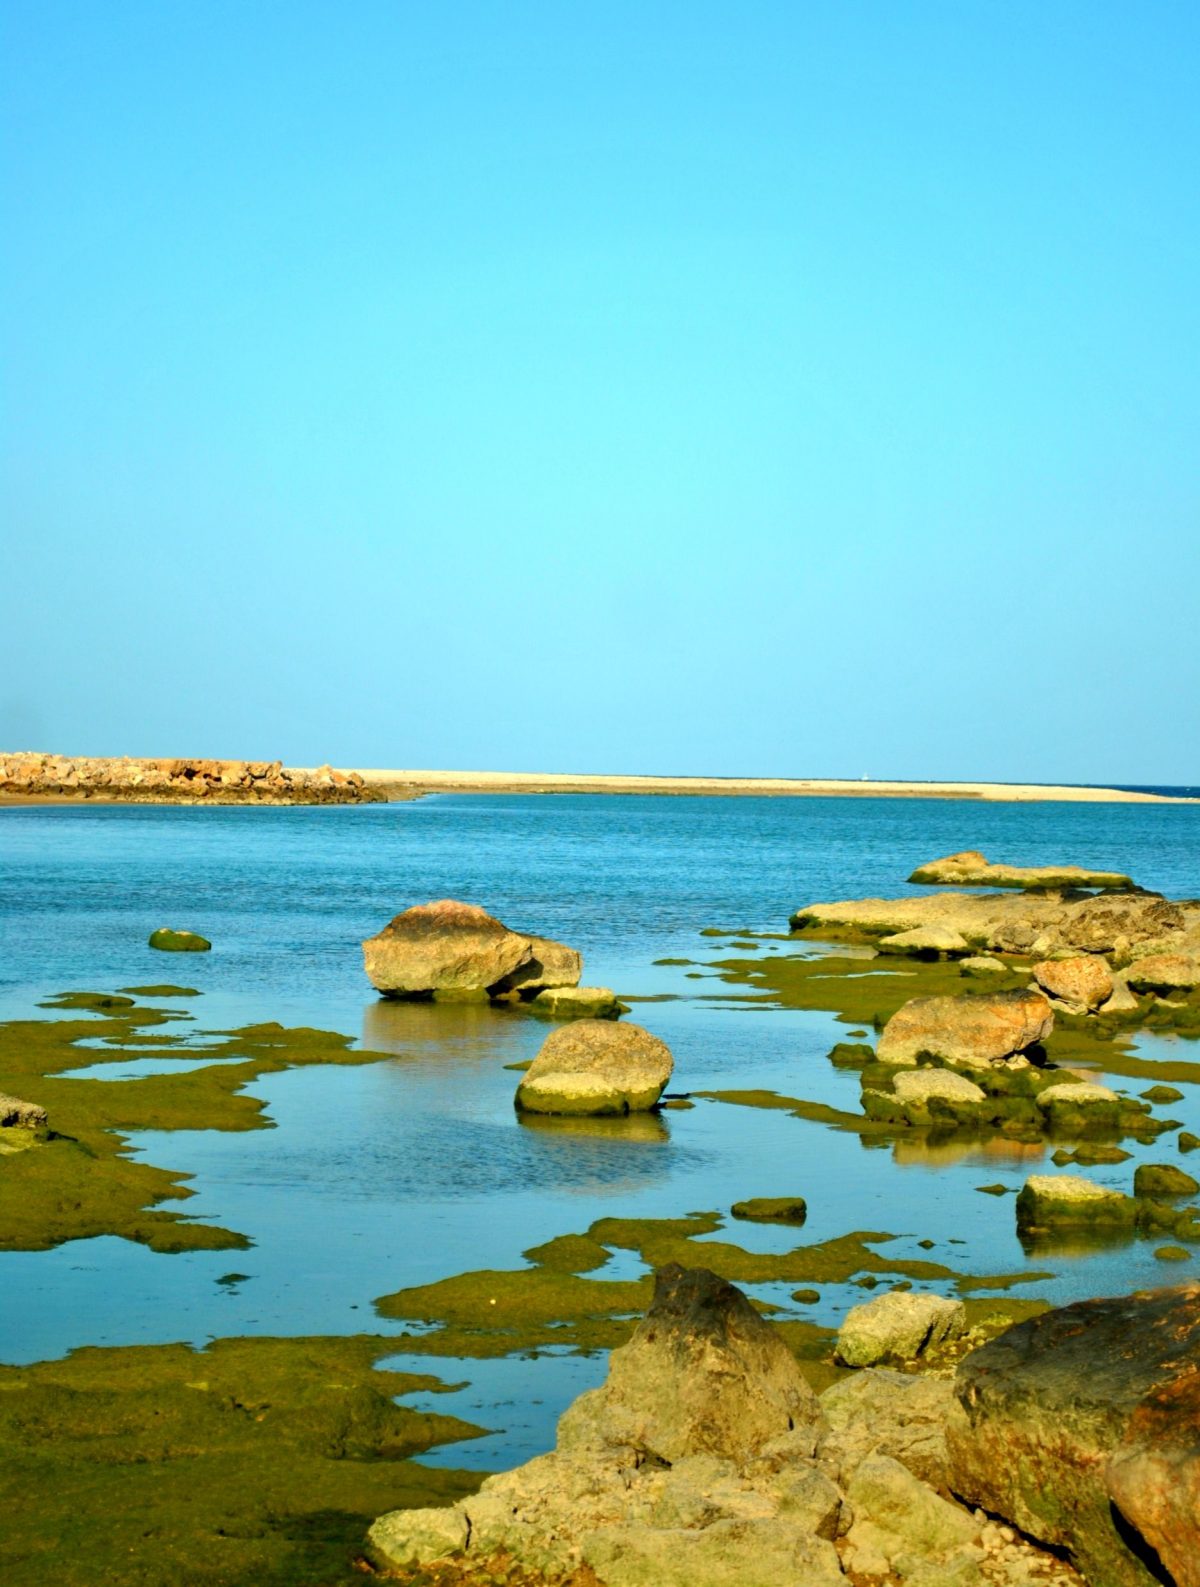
<point x="255" y="1461"/>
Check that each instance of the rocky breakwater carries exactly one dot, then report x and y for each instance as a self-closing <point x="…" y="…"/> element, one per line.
<point x="230" y="782"/>
<point x="455" y="952"/>
<point x="1082" y="1426"/>
<point x="706" y="1460"/>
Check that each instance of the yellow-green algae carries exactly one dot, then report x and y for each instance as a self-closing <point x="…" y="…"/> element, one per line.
<point x="80" y="1181"/>
<point x="252" y="1461"/>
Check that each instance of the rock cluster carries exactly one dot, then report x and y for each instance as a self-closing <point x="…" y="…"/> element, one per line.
<point x="971" y="869"/>
<point x="706" y="1458"/>
<point x="29" y="775"/>
<point x="458" y="952"/>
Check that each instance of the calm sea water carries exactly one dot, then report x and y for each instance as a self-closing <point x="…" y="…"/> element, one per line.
<point x="404" y="1172"/>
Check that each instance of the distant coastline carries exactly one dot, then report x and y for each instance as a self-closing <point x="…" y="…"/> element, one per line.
<point x="35" y="779"/>
<point x="411" y="784"/>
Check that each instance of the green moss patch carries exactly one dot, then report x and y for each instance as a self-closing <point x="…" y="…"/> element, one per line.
<point x="253" y="1461"/>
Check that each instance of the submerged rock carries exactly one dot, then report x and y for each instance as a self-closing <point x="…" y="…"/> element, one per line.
<point x="167" y="940"/>
<point x="578" y="1002"/>
<point x="972" y="1031"/>
<point x="456" y="949"/>
<point x="971" y="869"/>
<point x="898" y="1326"/>
<point x="1081" y="983"/>
<point x="1082" y="1426"/>
<point x="594" y="1066"/>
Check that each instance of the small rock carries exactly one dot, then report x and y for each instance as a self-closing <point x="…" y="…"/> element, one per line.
<point x="771" y="1209"/>
<point x="926" y="942"/>
<point x="1173" y="1253"/>
<point x="1162" y="1180"/>
<point x="577" y="1002"/>
<point x="1053" y="1200"/>
<point x="1082" y="983"/>
<point x="898" y="1327"/>
<point x="982" y="965"/>
<point x="168" y="940"/>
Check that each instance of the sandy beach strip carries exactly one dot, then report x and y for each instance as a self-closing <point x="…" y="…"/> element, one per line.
<point x="408" y="784"/>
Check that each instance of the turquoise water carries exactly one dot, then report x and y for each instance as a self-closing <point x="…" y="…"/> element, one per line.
<point x="403" y="1172"/>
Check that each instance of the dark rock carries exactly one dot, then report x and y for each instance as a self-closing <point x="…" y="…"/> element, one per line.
<point x="1162" y="1179"/>
<point x="1056" y="1403"/>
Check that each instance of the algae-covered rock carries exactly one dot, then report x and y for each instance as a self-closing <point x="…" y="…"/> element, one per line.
<point x="1159" y="1180"/>
<point x="1051" y="1201"/>
<point x="898" y="1326"/>
<point x="772" y="1209"/>
<point x="1082" y="1427"/>
<point x="1081" y="983"/>
<point x="168" y="940"/>
<point x="972" y="1031"/>
<point x="596" y="1067"/>
<point x="578" y="1002"/>
<point x="1187" y="1142"/>
<point x="971" y="869"/>
<point x="1077" y="1106"/>
<point x="982" y="965"/>
<point x="926" y="942"/>
<point x="1162" y="1094"/>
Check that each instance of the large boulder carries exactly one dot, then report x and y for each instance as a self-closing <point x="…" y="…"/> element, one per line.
<point x="973" y="1031"/>
<point x="702" y="1374"/>
<point x="451" y="949"/>
<point x="594" y="1066"/>
<point x="1165" y="972"/>
<point x="899" y="1326"/>
<point x="1082" y="1426"/>
<point x="971" y="869"/>
<point x="1081" y="983"/>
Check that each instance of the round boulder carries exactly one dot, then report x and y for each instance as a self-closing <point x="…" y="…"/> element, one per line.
<point x="594" y="1066"/>
<point x="1082" y="984"/>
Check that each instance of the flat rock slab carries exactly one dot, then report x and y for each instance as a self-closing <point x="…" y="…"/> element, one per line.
<point x="1082" y="1409"/>
<point x="972" y="869"/>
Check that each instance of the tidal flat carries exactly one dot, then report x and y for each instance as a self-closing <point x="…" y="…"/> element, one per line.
<point x="342" y="1182"/>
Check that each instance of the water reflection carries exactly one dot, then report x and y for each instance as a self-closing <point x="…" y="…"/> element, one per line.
<point x="636" y="1128"/>
<point x="461" y="1030"/>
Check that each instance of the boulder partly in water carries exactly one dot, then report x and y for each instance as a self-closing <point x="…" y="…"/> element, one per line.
<point x="168" y="940"/>
<point x="453" y="950"/>
<point x="596" y="1067"/>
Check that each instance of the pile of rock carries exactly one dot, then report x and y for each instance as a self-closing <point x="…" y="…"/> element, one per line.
<point x="458" y="953"/>
<point x="949" y="1062"/>
<point x="28" y="775"/>
<point x="706" y="1458"/>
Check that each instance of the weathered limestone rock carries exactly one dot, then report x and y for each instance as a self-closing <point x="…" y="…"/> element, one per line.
<point x="418" y="1537"/>
<point x="772" y="1209"/>
<point x="1122" y="1001"/>
<point x="702" y="1374"/>
<point x="972" y="1031"/>
<point x="593" y="1066"/>
<point x="578" y="1002"/>
<point x="1072" y="1105"/>
<point x="925" y="942"/>
<point x="167" y="940"/>
<point x="971" y="869"/>
<point x="886" y="1495"/>
<point x="1055" y="1201"/>
<point x="917" y="1086"/>
<point x="729" y="1553"/>
<point x="983" y="965"/>
<point x="18" y="1115"/>
<point x="1164" y="972"/>
<point x="450" y="948"/>
<point x="898" y="1326"/>
<point x="901" y="1414"/>
<point x="1084" y="1408"/>
<point x="1082" y="983"/>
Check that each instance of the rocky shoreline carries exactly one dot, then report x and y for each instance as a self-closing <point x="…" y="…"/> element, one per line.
<point x="38" y="778"/>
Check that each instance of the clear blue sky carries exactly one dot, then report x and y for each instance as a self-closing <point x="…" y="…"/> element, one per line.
<point x="792" y="388"/>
